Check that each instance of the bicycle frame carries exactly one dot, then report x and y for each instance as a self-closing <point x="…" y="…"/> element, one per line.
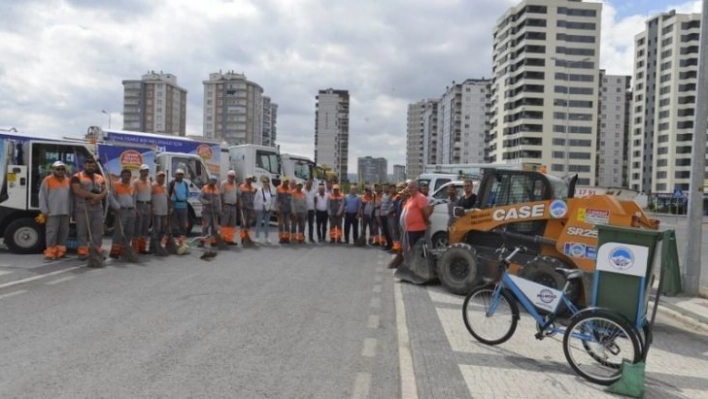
<point x="543" y="321"/>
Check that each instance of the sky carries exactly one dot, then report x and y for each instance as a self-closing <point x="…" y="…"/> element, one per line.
<point x="62" y="61"/>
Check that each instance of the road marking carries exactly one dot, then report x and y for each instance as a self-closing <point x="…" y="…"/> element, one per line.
<point x="13" y="293"/>
<point x="27" y="280"/>
<point x="61" y="280"/>
<point x="362" y="383"/>
<point x="375" y="302"/>
<point x="369" y="349"/>
<point x="378" y="278"/>
<point x="373" y="321"/>
<point x="377" y="288"/>
<point x="409" y="389"/>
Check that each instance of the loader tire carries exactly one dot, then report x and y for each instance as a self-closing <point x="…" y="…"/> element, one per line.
<point x="542" y="270"/>
<point x="458" y="269"/>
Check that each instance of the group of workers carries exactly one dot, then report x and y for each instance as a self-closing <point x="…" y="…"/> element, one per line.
<point x="303" y="212"/>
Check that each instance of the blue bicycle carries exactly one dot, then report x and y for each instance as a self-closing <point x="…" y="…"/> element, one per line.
<point x="596" y="341"/>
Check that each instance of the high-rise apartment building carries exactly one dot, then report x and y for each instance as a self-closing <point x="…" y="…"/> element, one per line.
<point x="399" y="173"/>
<point x="664" y="103"/>
<point x="544" y="91"/>
<point x="155" y="104"/>
<point x="269" y="118"/>
<point x="372" y="170"/>
<point x="233" y="109"/>
<point x="422" y="136"/>
<point x="332" y="130"/>
<point x="462" y="112"/>
<point x="614" y="97"/>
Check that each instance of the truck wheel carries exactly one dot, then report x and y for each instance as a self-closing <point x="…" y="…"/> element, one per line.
<point x="440" y="240"/>
<point x="25" y="236"/>
<point x="457" y="269"/>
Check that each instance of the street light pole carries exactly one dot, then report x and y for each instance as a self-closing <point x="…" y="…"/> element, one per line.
<point x="692" y="260"/>
<point x="109" y="117"/>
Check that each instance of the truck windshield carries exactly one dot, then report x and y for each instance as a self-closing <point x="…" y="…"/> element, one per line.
<point x="194" y="169"/>
<point x="303" y="170"/>
<point x="268" y="160"/>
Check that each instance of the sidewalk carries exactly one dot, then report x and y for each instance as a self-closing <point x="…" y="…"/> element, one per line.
<point x="688" y="310"/>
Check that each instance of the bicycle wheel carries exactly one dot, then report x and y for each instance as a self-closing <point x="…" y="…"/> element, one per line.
<point x="596" y="343"/>
<point x="495" y="328"/>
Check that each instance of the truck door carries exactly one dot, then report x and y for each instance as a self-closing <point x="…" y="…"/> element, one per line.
<point x="44" y="154"/>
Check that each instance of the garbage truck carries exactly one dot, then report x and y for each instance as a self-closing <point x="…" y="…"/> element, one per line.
<point x="25" y="160"/>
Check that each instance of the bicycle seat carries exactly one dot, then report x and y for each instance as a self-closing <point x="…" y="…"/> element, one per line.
<point x="570" y="273"/>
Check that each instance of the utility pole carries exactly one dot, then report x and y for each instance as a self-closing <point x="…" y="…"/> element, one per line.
<point x="692" y="260"/>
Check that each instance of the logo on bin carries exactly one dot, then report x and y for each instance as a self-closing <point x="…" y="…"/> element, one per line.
<point x="621" y="258"/>
<point x="546" y="296"/>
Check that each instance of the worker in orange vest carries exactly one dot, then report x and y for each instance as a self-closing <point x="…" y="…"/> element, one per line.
<point x="211" y="204"/>
<point x="122" y="200"/>
<point x="247" y="194"/>
<point x="143" y="199"/>
<point x="55" y="204"/>
<point x="336" y="212"/>
<point x="229" y="208"/>
<point x="283" y="199"/>
<point x="299" y="211"/>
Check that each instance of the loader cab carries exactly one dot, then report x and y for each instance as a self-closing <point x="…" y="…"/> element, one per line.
<point x="509" y="187"/>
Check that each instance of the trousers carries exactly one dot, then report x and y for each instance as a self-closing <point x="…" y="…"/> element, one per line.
<point x="350" y="220"/>
<point x="127" y="217"/>
<point x="90" y="218"/>
<point x="321" y="217"/>
<point x="57" y="231"/>
<point x="142" y="222"/>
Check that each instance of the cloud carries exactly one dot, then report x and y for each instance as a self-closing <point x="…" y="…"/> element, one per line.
<point x="63" y="60"/>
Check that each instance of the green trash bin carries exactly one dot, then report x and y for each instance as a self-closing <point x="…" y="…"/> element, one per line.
<point x="624" y="270"/>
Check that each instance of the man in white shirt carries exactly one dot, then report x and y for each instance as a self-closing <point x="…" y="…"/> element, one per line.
<point x="321" y="204"/>
<point x="310" y="194"/>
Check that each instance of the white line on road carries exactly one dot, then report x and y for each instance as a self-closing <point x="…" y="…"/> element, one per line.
<point x="369" y="349"/>
<point x="13" y="293"/>
<point x="61" y="280"/>
<point x="409" y="389"/>
<point x="3" y="272"/>
<point x="377" y="288"/>
<point x="373" y="321"/>
<point x="361" y="386"/>
<point x="375" y="302"/>
<point x="27" y="280"/>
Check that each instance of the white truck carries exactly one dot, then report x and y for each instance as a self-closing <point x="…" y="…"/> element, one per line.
<point x="256" y="160"/>
<point x="24" y="162"/>
<point x="300" y="168"/>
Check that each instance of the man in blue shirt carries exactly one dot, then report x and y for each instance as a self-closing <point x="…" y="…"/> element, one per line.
<point x="352" y="210"/>
<point x="179" y="194"/>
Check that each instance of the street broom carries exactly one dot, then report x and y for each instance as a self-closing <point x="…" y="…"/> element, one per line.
<point x="361" y="240"/>
<point x="127" y="252"/>
<point x="95" y="258"/>
<point x="207" y="254"/>
<point x="217" y="234"/>
<point x="398" y="259"/>
<point x="246" y="241"/>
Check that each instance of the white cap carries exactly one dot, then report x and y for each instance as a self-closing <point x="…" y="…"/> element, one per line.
<point x="144" y="167"/>
<point x="58" y="164"/>
<point x="178" y="171"/>
<point x="231" y="173"/>
<point x="213" y="177"/>
<point x="250" y="177"/>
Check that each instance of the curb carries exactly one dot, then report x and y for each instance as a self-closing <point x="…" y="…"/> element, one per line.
<point x="687" y="320"/>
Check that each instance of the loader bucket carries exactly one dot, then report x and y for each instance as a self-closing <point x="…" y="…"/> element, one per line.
<point x="418" y="265"/>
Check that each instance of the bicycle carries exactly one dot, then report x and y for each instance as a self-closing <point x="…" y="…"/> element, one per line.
<point x="606" y="337"/>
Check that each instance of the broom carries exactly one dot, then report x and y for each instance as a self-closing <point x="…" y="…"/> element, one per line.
<point x="207" y="254"/>
<point x="127" y="252"/>
<point x="398" y="259"/>
<point x="361" y="240"/>
<point x="159" y="249"/>
<point x="95" y="259"/>
<point x="246" y="240"/>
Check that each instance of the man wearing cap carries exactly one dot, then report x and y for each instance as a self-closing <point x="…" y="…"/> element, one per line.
<point x="336" y="212"/>
<point x="283" y="198"/>
<point x="143" y="193"/>
<point x="122" y="200"/>
<point x="321" y="212"/>
<point x="55" y="204"/>
<point x="394" y="227"/>
<point x="352" y="212"/>
<point x="159" y="210"/>
<point x="178" y="192"/>
<point x="89" y="190"/>
<point x="229" y="208"/>
<point x="211" y="204"/>
<point x="247" y="198"/>
<point x="299" y="211"/>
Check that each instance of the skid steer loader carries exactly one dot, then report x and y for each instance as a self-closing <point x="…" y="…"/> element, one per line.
<point x="538" y="211"/>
